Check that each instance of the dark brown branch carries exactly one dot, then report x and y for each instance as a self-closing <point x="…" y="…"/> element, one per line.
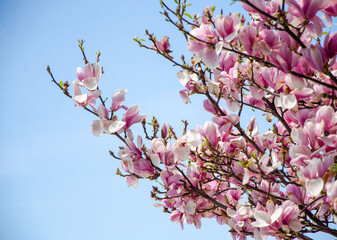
<point x="276" y="114"/>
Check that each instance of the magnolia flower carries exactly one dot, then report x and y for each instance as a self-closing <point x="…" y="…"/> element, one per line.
<point x="289" y="218"/>
<point x="117" y="99"/>
<point x="132" y="181"/>
<point x="248" y="39"/>
<point x="89" y="76"/>
<point x="265" y="219"/>
<point x="206" y="15"/>
<point x="208" y="49"/>
<point x="99" y="127"/>
<point x="306" y="8"/>
<point x="316" y="56"/>
<point x="330" y="44"/>
<point x="228" y="26"/>
<point x="131" y="116"/>
<point x="85" y="99"/>
<point x="163" y="45"/>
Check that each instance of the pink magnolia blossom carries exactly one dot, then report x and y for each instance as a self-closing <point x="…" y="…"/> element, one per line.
<point x="184" y="96"/>
<point x="228" y="27"/>
<point x="316" y="56"/>
<point x="132" y="181"/>
<point x="332" y="196"/>
<point x="208" y="49"/>
<point x="99" y="127"/>
<point x="289" y="219"/>
<point x="89" y="76"/>
<point x="249" y="40"/>
<point x="132" y="116"/>
<point x="284" y="59"/>
<point x="297" y="194"/>
<point x="306" y="8"/>
<point x="330" y="45"/>
<point x="330" y="11"/>
<point x="269" y="7"/>
<point x="226" y="122"/>
<point x="210" y="132"/>
<point x="327" y="116"/>
<point x="85" y="99"/>
<point x="265" y="219"/>
<point x="206" y="14"/>
<point x="163" y="45"/>
<point x="117" y="99"/>
<point x="104" y="125"/>
<point x="227" y="60"/>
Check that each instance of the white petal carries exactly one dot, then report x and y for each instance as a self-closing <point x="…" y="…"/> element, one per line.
<point x="296" y="225"/>
<point x="81" y="98"/>
<point x="155" y="159"/>
<point x="258" y="235"/>
<point x="181" y="153"/>
<point x="211" y="58"/>
<point x="98" y="71"/>
<point x="197" y="57"/>
<point x="246" y="177"/>
<point x="276" y="215"/>
<point x="116" y="126"/>
<point x="262" y="219"/>
<point x="183" y="77"/>
<point x="230" y="37"/>
<point x="90" y="83"/>
<point x="315" y="186"/>
<point x="97" y="128"/>
<point x="288" y="101"/>
<point x="218" y="47"/>
<point x="132" y="181"/>
<point x="190" y="207"/>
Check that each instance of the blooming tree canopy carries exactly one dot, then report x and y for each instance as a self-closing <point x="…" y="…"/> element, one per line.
<point x="280" y="62"/>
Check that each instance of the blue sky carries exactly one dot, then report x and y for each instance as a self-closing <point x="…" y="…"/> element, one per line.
<point x="57" y="180"/>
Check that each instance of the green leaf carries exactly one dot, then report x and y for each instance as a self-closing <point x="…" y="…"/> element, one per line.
<point x="213" y="8"/>
<point x="208" y="164"/>
<point x="61" y="84"/>
<point x="249" y="162"/>
<point x="333" y="168"/>
<point x="234" y="1"/>
<point x="188" y="15"/>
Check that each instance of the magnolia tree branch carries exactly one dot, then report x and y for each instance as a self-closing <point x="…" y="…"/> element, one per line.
<point x="281" y="183"/>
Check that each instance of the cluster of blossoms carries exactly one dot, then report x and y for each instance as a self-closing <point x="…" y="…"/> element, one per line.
<point x="280" y="183"/>
<point x="88" y="78"/>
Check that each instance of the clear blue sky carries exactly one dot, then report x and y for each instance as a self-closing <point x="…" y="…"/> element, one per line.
<point x="57" y="181"/>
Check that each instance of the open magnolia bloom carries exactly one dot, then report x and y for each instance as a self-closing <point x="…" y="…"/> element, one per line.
<point x="89" y="76"/>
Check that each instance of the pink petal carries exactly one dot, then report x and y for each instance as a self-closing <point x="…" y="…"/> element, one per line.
<point x="132" y="181"/>
<point x="97" y="128"/>
<point x="210" y="57"/>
